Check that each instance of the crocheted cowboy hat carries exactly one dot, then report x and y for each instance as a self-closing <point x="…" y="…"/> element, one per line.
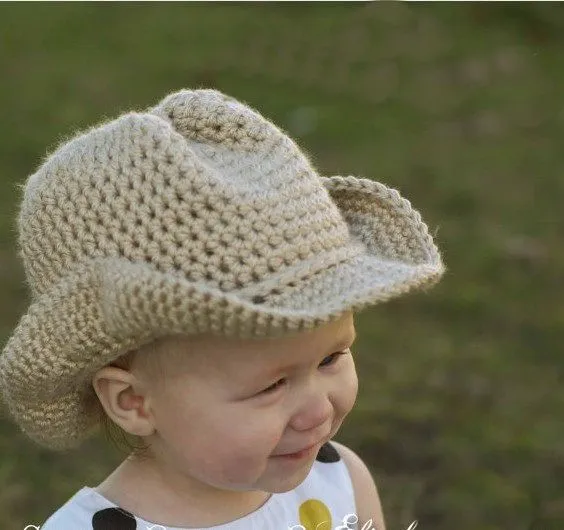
<point x="196" y="216"/>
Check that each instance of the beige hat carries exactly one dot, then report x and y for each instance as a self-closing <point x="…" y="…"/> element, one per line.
<point x="197" y="216"/>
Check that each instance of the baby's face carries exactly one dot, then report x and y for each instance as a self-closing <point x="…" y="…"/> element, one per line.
<point x="225" y="417"/>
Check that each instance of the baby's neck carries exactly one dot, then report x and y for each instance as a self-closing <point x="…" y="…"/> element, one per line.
<point x="170" y="499"/>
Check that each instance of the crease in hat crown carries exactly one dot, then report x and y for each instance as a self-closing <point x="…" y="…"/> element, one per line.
<point x="196" y="216"/>
<point x="145" y="185"/>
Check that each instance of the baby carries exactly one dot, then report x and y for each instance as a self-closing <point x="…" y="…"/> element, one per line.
<point x="194" y="282"/>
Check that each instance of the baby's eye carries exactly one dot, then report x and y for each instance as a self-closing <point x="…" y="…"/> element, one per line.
<point x="328" y="361"/>
<point x="331" y="359"/>
<point x="274" y="386"/>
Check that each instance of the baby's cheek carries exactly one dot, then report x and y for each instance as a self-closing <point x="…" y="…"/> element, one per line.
<point x="347" y="391"/>
<point x="261" y="434"/>
<point x="246" y="458"/>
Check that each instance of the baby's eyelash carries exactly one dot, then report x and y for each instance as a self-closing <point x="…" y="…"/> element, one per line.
<point x="333" y="358"/>
<point x="273" y="387"/>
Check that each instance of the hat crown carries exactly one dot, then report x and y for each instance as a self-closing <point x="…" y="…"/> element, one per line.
<point x="200" y="185"/>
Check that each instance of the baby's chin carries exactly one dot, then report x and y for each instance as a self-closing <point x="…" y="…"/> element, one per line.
<point x="281" y="481"/>
<point x="282" y="486"/>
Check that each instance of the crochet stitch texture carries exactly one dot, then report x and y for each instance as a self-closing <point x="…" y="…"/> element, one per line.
<point x="196" y="216"/>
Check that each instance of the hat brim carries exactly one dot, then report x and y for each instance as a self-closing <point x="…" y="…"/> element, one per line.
<point x="55" y="348"/>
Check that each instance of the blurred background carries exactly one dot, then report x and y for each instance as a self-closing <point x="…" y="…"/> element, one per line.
<point x="461" y="108"/>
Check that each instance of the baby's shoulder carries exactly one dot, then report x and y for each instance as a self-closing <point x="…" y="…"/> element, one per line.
<point x="367" y="499"/>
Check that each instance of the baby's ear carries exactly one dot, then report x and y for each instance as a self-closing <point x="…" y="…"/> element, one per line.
<point x="118" y="392"/>
<point x="110" y="380"/>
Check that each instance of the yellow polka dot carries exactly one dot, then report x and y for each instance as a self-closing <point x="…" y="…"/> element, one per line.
<point x="314" y="515"/>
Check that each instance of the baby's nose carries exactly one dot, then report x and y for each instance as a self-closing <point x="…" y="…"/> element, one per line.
<point x="315" y="411"/>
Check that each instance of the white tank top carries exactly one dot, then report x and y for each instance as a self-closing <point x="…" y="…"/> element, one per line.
<point x="323" y="501"/>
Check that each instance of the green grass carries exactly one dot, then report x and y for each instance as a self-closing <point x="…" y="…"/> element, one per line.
<point x="458" y="106"/>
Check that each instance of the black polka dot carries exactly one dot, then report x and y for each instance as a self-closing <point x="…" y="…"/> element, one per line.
<point x="113" y="519"/>
<point x="328" y="454"/>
